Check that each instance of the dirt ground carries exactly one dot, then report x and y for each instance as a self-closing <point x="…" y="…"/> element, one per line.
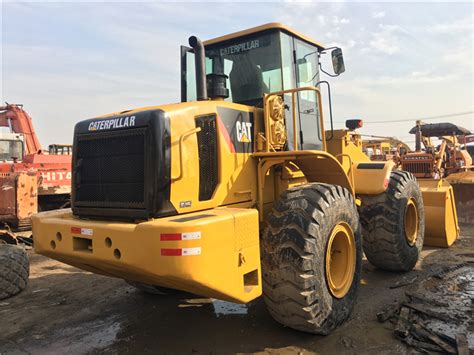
<point x="66" y="310"/>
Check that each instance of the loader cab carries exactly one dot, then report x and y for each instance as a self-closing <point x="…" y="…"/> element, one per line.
<point x="11" y="147"/>
<point x="263" y="60"/>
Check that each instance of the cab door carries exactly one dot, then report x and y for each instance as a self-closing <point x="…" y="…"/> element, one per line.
<point x="307" y="74"/>
<point x="299" y="69"/>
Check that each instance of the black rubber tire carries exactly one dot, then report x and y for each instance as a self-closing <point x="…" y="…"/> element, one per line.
<point x="293" y="253"/>
<point x="14" y="270"/>
<point x="383" y="224"/>
<point x="152" y="289"/>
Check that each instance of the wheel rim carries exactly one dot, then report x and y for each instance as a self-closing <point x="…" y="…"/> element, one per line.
<point x="411" y="222"/>
<point x="340" y="260"/>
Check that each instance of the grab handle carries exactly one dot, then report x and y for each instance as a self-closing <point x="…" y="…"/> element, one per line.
<point x="181" y="140"/>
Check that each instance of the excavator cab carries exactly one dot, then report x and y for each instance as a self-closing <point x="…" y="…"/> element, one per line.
<point x="11" y="147"/>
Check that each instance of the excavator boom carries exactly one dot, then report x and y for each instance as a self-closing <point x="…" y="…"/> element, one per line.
<point x="18" y="120"/>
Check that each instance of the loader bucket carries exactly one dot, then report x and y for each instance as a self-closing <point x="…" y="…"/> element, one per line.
<point x="463" y="186"/>
<point x="441" y="221"/>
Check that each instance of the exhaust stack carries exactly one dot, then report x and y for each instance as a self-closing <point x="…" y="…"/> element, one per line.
<point x="200" y="62"/>
<point x="418" y="136"/>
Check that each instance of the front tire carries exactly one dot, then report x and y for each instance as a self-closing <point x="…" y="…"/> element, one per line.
<point x="393" y="224"/>
<point x="311" y="257"/>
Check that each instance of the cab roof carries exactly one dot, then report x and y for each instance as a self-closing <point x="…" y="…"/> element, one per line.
<point x="262" y="28"/>
<point x="440" y="129"/>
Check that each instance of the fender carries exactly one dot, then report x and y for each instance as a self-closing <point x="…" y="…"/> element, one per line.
<point x="317" y="166"/>
<point x="372" y="178"/>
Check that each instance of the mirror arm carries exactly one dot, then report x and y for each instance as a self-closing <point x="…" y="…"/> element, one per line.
<point x="307" y="55"/>
<point x="329" y="48"/>
<point x="325" y="72"/>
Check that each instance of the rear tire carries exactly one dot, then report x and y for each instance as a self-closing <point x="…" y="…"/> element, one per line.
<point x="14" y="270"/>
<point x="392" y="239"/>
<point x="297" y="278"/>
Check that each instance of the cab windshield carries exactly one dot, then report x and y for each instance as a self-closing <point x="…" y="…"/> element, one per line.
<point x="252" y="64"/>
<point x="10" y="149"/>
<point x="256" y="64"/>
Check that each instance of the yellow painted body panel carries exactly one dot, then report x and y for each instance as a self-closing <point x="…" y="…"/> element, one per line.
<point x="235" y="170"/>
<point x="373" y="181"/>
<point x="315" y="165"/>
<point x="347" y="147"/>
<point x="227" y="250"/>
<point x="441" y="221"/>
<point x="346" y="142"/>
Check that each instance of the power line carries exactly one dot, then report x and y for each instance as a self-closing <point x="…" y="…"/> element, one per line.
<point x="418" y="118"/>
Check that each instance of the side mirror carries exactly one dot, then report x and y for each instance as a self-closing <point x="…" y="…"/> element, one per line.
<point x="338" y="61"/>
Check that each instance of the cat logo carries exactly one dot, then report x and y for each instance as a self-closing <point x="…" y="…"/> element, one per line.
<point x="244" y="131"/>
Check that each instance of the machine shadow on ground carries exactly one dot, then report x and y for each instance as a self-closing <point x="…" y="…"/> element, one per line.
<point x="65" y="309"/>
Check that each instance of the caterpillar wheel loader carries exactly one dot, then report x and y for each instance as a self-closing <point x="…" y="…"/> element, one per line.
<point x="238" y="190"/>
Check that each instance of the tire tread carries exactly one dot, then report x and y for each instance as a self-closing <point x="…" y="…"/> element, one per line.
<point x="292" y="283"/>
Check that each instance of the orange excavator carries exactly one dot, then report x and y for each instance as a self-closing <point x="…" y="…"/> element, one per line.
<point x="30" y="180"/>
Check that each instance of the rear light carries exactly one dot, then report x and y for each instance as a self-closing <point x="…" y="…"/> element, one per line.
<point x="354" y="124"/>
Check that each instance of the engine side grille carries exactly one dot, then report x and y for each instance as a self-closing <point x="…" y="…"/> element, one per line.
<point x="207" y="150"/>
<point x="110" y="169"/>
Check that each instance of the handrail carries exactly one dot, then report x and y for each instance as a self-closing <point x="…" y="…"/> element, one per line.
<point x="181" y="140"/>
<point x="330" y="105"/>
<point x="351" y="170"/>
<point x="293" y="93"/>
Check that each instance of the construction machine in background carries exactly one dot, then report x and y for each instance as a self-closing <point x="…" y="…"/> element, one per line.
<point x="437" y="161"/>
<point x="468" y="144"/>
<point x="240" y="189"/>
<point x="463" y="184"/>
<point x="60" y="149"/>
<point x="434" y="166"/>
<point x="378" y="149"/>
<point x="384" y="148"/>
<point x="30" y="180"/>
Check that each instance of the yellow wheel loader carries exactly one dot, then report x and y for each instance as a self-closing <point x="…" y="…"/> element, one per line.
<point x="238" y="190"/>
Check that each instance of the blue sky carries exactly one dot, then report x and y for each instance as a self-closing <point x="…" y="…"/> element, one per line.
<point x="75" y="60"/>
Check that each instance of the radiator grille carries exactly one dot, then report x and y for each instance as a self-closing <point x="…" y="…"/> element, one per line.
<point x="110" y="169"/>
<point x="418" y="168"/>
<point x="207" y="150"/>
